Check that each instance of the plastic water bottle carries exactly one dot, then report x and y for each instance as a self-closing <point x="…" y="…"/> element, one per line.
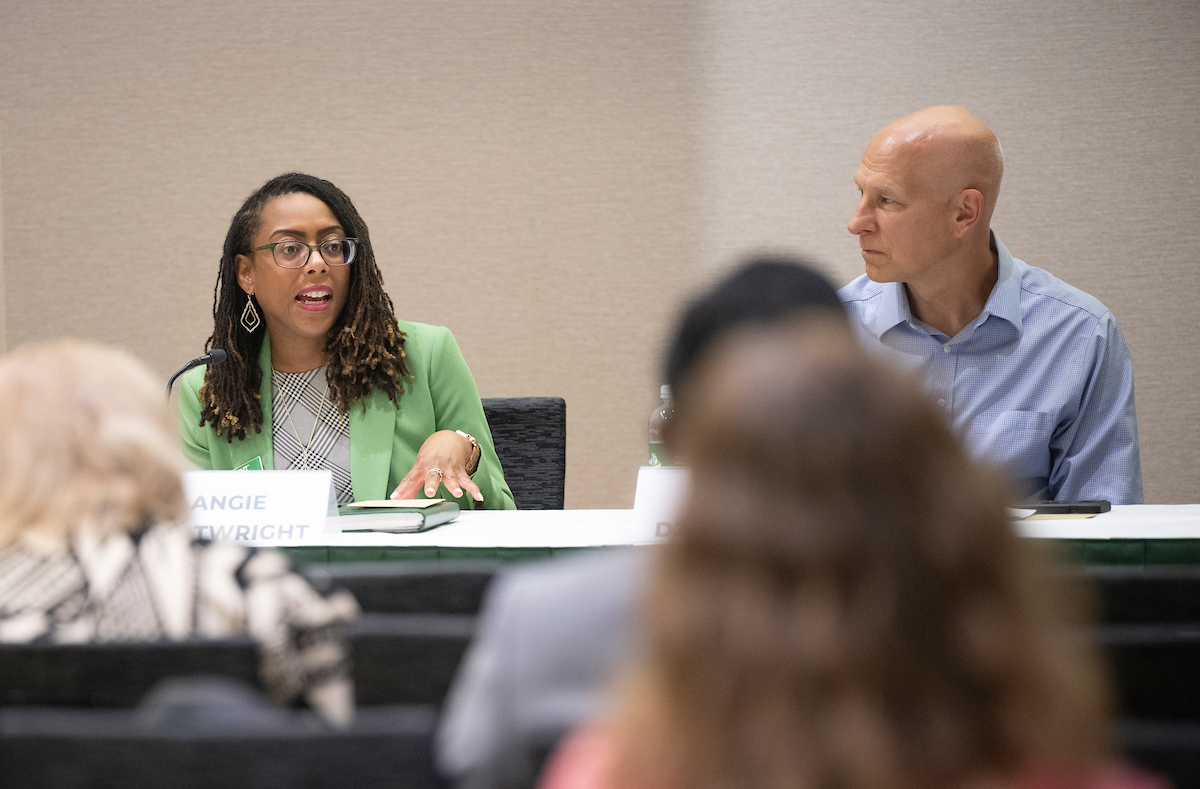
<point x="662" y="414"/>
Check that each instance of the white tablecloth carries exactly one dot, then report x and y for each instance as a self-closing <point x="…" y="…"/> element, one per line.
<point x="493" y="529"/>
<point x="590" y="528"/>
<point x="1131" y="522"/>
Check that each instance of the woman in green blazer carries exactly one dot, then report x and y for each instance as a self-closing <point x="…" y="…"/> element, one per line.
<point x="332" y="380"/>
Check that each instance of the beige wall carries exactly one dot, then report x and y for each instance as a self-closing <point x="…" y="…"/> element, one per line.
<point x="549" y="178"/>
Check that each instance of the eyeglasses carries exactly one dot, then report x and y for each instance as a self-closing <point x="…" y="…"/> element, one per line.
<point x="295" y="254"/>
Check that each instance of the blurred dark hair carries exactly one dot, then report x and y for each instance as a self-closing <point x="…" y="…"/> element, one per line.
<point x="764" y="289"/>
<point x="845" y="603"/>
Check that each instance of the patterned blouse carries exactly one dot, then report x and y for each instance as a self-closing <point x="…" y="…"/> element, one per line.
<point x="160" y="584"/>
<point x="299" y="441"/>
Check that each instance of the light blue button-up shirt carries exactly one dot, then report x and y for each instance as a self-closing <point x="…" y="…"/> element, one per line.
<point x="1040" y="383"/>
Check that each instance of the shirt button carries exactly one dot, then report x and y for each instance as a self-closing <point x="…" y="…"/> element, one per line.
<point x="946" y="348"/>
<point x="942" y="403"/>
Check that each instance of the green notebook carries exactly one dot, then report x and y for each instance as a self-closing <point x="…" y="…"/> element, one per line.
<point x="398" y="520"/>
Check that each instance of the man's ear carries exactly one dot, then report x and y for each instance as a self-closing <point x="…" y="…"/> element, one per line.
<point x="968" y="208"/>
<point x="245" y="273"/>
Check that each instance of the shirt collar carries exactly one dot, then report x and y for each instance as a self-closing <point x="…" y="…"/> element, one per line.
<point x="1004" y="301"/>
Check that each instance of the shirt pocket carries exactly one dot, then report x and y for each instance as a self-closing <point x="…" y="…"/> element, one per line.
<point x="1016" y="441"/>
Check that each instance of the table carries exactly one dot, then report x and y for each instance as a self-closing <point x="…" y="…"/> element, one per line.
<point x="508" y="535"/>
<point x="1135" y="534"/>
<point x="1129" y="535"/>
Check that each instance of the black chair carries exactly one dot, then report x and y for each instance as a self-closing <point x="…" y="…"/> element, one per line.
<point x="70" y="714"/>
<point x="69" y="748"/>
<point x="115" y="674"/>
<point x="1156" y="669"/>
<point x="1146" y="595"/>
<point x="418" y="618"/>
<point x="1150" y="633"/>
<point x="397" y="659"/>
<point x="1172" y="749"/>
<point x="407" y="658"/>
<point x="437" y="587"/>
<point x="530" y="434"/>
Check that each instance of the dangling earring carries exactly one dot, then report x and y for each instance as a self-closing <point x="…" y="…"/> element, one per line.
<point x="250" y="319"/>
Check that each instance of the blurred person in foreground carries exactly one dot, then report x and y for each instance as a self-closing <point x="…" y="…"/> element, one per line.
<point x="844" y="602"/>
<point x="94" y="543"/>
<point x="552" y="634"/>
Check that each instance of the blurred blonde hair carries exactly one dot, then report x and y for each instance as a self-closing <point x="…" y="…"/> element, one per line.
<point x="85" y="440"/>
<point x="845" y="603"/>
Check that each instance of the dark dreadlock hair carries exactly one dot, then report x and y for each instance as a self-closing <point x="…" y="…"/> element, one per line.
<point x="365" y="348"/>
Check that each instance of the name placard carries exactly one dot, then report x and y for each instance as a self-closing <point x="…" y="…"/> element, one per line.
<point x="260" y="507"/>
<point x="660" y="491"/>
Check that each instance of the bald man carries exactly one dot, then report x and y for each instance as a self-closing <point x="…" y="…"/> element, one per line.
<point x="1032" y="372"/>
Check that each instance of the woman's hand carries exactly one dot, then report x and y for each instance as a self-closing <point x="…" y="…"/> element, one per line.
<point x="448" y="452"/>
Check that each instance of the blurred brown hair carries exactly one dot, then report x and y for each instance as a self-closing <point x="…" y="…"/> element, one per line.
<point x="845" y="603"/>
<point x="86" y="440"/>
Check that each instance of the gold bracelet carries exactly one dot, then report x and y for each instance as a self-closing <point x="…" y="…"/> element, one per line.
<point x="476" y="453"/>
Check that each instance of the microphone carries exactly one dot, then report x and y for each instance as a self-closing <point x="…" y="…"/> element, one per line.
<point x="213" y="358"/>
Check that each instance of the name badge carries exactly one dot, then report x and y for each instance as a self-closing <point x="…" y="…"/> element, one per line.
<point x="660" y="491"/>
<point x="265" y="508"/>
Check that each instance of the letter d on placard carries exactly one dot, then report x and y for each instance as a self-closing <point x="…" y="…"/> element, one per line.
<point x="660" y="491"/>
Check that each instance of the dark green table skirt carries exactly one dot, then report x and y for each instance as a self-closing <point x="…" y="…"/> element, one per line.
<point x="1127" y="552"/>
<point x="321" y="554"/>
<point x="1099" y="552"/>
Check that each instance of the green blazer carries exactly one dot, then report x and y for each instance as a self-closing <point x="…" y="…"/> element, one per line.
<point x="384" y="438"/>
